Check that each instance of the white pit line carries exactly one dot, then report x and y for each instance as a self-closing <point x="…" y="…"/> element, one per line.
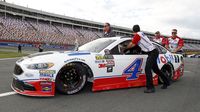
<point x="7" y="94"/>
<point x="8" y="58"/>
<point x="187" y="71"/>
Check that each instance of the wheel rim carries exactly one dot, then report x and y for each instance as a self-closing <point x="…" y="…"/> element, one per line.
<point x="70" y="79"/>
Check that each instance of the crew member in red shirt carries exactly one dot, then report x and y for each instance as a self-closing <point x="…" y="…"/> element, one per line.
<point x="161" y="40"/>
<point x="175" y="42"/>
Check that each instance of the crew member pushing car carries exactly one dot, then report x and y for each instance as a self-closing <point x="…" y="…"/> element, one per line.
<point x="146" y="45"/>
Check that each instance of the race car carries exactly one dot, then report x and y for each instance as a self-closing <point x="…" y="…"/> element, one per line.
<point x="105" y="62"/>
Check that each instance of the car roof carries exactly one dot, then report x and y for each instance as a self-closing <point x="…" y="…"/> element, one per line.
<point x="117" y="38"/>
<point x="126" y="37"/>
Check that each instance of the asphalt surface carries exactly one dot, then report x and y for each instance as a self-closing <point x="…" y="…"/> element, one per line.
<point x="181" y="96"/>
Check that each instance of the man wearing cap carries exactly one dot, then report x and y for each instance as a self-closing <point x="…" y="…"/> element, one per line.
<point x="107" y="31"/>
<point x="161" y="40"/>
<point x="175" y="42"/>
<point x="146" y="45"/>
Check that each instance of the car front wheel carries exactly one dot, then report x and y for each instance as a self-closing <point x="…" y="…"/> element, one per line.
<point x="71" y="79"/>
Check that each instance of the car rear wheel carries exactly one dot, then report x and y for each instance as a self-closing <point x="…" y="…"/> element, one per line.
<point x="168" y="72"/>
<point x="71" y="79"/>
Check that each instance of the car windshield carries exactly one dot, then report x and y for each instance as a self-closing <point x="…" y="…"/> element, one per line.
<point x="97" y="45"/>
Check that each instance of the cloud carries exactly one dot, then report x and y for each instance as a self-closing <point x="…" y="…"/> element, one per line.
<point x="151" y="15"/>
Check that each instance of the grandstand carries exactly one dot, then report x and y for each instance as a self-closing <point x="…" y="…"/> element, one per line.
<point x="25" y="25"/>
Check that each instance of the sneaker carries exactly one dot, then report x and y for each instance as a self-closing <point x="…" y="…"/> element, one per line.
<point x="149" y="90"/>
<point x="164" y="86"/>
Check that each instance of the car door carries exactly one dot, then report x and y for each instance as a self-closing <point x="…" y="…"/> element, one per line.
<point x="129" y="65"/>
<point x="122" y="69"/>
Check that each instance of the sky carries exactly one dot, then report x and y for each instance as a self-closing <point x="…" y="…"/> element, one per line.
<point x="151" y="15"/>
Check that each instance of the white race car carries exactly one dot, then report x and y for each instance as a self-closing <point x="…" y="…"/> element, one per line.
<point x="104" y="62"/>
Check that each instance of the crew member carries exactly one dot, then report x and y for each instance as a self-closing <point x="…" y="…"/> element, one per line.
<point x="107" y="31"/>
<point x="40" y="48"/>
<point x="161" y="40"/>
<point x="146" y="45"/>
<point x="19" y="48"/>
<point x="175" y="42"/>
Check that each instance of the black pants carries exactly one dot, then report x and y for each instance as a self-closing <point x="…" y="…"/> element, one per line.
<point x="151" y="64"/>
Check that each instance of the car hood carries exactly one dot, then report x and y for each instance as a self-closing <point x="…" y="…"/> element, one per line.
<point x="52" y="56"/>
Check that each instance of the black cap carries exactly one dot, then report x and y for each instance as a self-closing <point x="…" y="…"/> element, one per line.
<point x="136" y="28"/>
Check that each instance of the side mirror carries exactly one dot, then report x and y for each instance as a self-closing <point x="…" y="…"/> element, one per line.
<point x="107" y="52"/>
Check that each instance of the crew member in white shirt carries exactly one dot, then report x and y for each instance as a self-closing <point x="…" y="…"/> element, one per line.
<point x="146" y="45"/>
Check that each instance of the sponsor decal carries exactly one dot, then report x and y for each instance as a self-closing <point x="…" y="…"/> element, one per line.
<point x="74" y="59"/>
<point x="46" y="88"/>
<point x="42" y="83"/>
<point x="102" y="65"/>
<point x="169" y="58"/>
<point x="47" y="74"/>
<point x="47" y="71"/>
<point x="99" y="57"/>
<point x="110" y="62"/>
<point x="163" y="60"/>
<point x="99" y="61"/>
<point x="46" y="79"/>
<point x="78" y="53"/>
<point x="110" y="69"/>
<point x="109" y="66"/>
<point x="106" y="61"/>
<point x="108" y="56"/>
<point x="176" y="57"/>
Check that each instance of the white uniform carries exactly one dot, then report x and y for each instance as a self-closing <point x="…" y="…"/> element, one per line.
<point x="174" y="43"/>
<point x="144" y="43"/>
<point x="160" y="40"/>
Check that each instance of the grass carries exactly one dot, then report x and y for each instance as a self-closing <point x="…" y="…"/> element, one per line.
<point x="9" y="54"/>
<point x="8" y="48"/>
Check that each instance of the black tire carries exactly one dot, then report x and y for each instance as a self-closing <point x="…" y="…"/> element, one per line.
<point x="71" y="79"/>
<point x="167" y="72"/>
